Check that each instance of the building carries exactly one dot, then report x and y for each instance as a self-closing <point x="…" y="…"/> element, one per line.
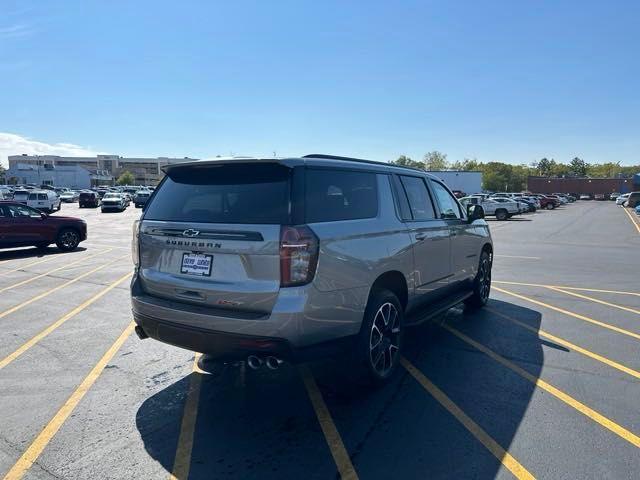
<point x="147" y="171"/>
<point x="466" y="182"/>
<point x="72" y="176"/>
<point x="581" y="185"/>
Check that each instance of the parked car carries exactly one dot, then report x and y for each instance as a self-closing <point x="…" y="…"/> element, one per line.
<point x="70" y="196"/>
<point x="23" y="226"/>
<point x="633" y="200"/>
<point x="622" y="199"/>
<point x="585" y="196"/>
<point x="614" y="195"/>
<point x="492" y="207"/>
<point x="141" y="197"/>
<point x="638" y="210"/>
<point x="113" y="201"/>
<point x="89" y="199"/>
<point x="43" y="200"/>
<point x="289" y="259"/>
<point x="21" y="195"/>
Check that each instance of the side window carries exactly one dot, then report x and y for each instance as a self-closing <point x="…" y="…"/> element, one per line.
<point x="33" y="196"/>
<point x="340" y="195"/>
<point x="21" y="211"/>
<point x="42" y="196"/>
<point x="419" y="199"/>
<point x="449" y="207"/>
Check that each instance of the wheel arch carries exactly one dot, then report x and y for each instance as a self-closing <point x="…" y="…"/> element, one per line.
<point x="395" y="282"/>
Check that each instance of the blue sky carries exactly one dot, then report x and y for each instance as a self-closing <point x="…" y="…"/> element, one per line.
<point x="507" y="81"/>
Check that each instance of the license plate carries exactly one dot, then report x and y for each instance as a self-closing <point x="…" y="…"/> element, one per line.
<point x="196" y="264"/>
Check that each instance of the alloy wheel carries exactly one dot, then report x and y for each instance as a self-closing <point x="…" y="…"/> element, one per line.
<point x="484" y="277"/>
<point x="384" y="339"/>
<point x="69" y="239"/>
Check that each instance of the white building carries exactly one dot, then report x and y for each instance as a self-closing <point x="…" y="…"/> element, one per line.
<point x="147" y="171"/>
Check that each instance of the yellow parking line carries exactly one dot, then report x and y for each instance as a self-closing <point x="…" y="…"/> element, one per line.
<point x="29" y="280"/>
<point x="331" y="434"/>
<point x="46" y="259"/>
<point x="578" y="289"/>
<point x="572" y="314"/>
<point x="26" y="346"/>
<point x="635" y="224"/>
<point x="572" y="346"/>
<point x="182" y="460"/>
<point x="547" y="387"/>
<point x="596" y="300"/>
<point x="44" y="437"/>
<point x="55" y="289"/>
<point x="483" y="437"/>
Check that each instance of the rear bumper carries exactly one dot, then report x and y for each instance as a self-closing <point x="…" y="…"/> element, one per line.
<point x="296" y="329"/>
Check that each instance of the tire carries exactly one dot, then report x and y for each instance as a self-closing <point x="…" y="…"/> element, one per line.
<point x="501" y="214"/>
<point x="68" y="239"/>
<point x="375" y="365"/>
<point x="481" y="284"/>
<point x="550" y="206"/>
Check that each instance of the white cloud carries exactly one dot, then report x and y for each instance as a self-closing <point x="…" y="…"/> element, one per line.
<point x="12" y="144"/>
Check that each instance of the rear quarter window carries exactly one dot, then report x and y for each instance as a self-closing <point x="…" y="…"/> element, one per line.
<point x="332" y="195"/>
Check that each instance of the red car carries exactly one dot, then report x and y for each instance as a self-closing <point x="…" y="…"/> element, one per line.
<point x="548" y="202"/>
<point x="23" y="226"/>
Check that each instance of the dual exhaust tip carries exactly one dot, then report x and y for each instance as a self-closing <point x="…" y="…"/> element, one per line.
<point x="255" y="362"/>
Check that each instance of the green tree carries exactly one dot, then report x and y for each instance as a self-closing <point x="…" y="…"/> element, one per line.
<point x="605" y="170"/>
<point x="578" y="167"/>
<point x="126" y="178"/>
<point x="407" y="162"/>
<point x="545" y="166"/>
<point x="435" y="161"/>
<point x="468" y="164"/>
<point x="3" y="173"/>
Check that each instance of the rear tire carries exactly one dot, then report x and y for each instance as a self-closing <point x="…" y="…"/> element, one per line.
<point x="379" y="343"/>
<point x="550" y="206"/>
<point x="68" y="239"/>
<point x="481" y="284"/>
<point x="501" y="214"/>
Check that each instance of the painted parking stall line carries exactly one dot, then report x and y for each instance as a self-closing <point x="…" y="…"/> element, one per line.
<point x="571" y="314"/>
<point x="38" y="445"/>
<point x="476" y="430"/>
<point x="566" y="343"/>
<point x="34" y="340"/>
<point x="590" y="413"/>
<point x="59" y="287"/>
<point x="595" y="300"/>
<point x="57" y="269"/>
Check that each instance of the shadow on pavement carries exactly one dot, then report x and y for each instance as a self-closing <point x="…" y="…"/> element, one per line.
<point x="260" y="424"/>
<point x="35" y="252"/>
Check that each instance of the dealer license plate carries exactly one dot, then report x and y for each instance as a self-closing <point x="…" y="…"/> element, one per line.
<point x="196" y="264"/>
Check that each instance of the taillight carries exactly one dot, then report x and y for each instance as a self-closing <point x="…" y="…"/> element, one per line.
<point x="134" y="243"/>
<point x="298" y="255"/>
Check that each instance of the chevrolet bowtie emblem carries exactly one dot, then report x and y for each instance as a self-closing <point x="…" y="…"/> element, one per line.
<point x="190" y="232"/>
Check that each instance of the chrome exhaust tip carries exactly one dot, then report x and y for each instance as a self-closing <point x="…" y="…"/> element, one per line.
<point x="254" y="362"/>
<point x="273" y="363"/>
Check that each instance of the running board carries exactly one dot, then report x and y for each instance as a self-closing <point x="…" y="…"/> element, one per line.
<point x="428" y="312"/>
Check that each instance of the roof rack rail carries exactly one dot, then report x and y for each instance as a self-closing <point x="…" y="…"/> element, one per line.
<point x="350" y="159"/>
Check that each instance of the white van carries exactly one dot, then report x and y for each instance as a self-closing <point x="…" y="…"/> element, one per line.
<point x="44" y="200"/>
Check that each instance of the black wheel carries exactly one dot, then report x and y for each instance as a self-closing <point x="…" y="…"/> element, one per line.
<point x="550" y="206"/>
<point x="68" y="239"/>
<point x="481" y="284"/>
<point x="379" y="344"/>
<point x="501" y="214"/>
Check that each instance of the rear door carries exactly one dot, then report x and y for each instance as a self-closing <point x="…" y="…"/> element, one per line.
<point x="25" y="225"/>
<point x="429" y="236"/>
<point x="211" y="235"/>
<point x="465" y="246"/>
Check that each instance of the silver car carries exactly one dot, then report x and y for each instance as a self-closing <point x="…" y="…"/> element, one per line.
<point x="271" y="260"/>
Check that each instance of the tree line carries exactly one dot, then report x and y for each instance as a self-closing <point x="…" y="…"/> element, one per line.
<point x="501" y="177"/>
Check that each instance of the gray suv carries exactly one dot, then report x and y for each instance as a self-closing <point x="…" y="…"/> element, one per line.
<point x="271" y="260"/>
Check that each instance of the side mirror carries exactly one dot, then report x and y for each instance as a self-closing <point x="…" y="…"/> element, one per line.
<point x="475" y="212"/>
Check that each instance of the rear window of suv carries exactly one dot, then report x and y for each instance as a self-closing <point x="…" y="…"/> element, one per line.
<point x="246" y="193"/>
<point x="332" y="195"/>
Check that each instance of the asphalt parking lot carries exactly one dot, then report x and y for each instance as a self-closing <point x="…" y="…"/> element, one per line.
<point x="542" y="383"/>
